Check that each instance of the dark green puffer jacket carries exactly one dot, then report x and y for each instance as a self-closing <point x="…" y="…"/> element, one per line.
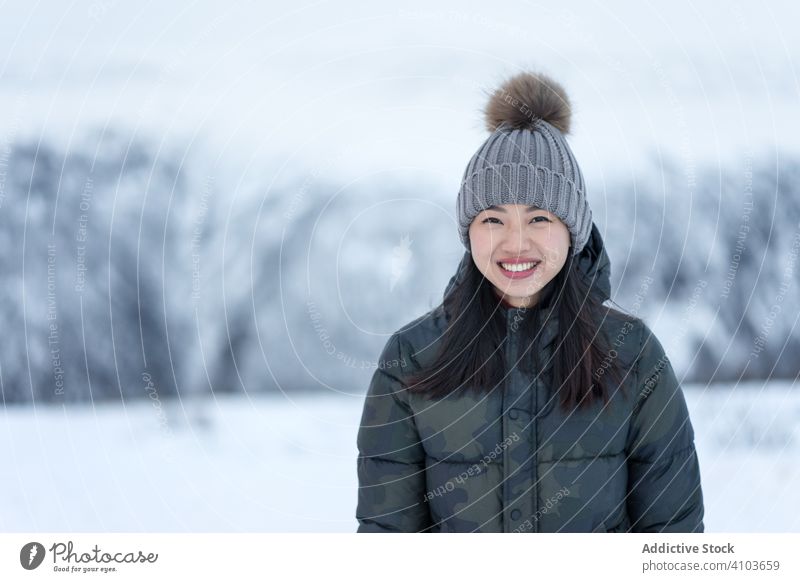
<point x="513" y="460"/>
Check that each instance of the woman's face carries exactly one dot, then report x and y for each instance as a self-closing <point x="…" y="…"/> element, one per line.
<point x="514" y="236"/>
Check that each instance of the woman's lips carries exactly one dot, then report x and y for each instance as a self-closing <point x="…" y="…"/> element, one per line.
<point x="518" y="274"/>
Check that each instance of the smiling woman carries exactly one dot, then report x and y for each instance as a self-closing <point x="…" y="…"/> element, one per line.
<point x="519" y="250"/>
<point x="526" y="404"/>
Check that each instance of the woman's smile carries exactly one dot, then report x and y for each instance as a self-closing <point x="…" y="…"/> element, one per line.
<point x="518" y="270"/>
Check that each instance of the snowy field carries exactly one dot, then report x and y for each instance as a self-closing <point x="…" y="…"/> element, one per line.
<point x="277" y="465"/>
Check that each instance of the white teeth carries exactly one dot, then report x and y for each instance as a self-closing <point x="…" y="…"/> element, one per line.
<point x="516" y="267"/>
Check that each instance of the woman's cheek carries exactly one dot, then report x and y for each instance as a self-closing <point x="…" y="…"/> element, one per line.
<point x="481" y="241"/>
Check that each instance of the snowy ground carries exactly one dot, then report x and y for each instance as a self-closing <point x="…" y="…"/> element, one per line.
<point x="265" y="464"/>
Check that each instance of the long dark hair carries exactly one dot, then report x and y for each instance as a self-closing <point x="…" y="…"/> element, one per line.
<point x="585" y="368"/>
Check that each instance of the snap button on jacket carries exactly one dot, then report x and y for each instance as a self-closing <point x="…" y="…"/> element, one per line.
<point x="512" y="460"/>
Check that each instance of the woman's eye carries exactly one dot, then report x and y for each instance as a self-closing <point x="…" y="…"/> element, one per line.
<point x="534" y="219"/>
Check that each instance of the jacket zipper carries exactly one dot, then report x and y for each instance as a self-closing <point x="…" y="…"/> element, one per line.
<point x="513" y="338"/>
<point x="535" y="450"/>
<point x="504" y="412"/>
<point x="534" y="386"/>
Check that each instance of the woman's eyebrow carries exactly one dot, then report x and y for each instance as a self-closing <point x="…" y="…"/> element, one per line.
<point x="504" y="211"/>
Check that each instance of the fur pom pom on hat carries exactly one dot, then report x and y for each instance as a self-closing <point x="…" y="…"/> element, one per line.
<point x="526" y="97"/>
<point x="526" y="159"/>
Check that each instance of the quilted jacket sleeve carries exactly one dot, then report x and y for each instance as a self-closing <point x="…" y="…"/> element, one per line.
<point x="664" y="492"/>
<point x="391" y="460"/>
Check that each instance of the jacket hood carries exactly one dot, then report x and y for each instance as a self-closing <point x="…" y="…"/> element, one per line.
<point x="593" y="264"/>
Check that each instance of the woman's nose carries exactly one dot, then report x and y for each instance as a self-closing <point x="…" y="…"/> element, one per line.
<point x="517" y="242"/>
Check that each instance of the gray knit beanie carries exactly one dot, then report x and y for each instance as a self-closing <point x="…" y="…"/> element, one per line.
<point x="526" y="159"/>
